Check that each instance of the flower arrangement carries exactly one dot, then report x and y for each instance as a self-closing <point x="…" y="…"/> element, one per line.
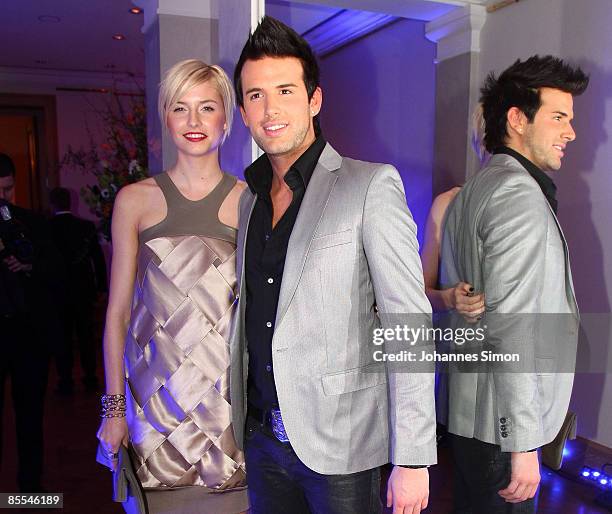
<point x="120" y="160"/>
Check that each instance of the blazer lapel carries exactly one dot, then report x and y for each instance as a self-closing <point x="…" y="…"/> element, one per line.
<point x="568" y="268"/>
<point x="309" y="216"/>
<point x="247" y="203"/>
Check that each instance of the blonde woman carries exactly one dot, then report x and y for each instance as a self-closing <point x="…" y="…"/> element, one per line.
<point x="170" y="306"/>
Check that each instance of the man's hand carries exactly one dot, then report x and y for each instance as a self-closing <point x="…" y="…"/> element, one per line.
<point x="15" y="265"/>
<point x="524" y="479"/>
<point x="408" y="490"/>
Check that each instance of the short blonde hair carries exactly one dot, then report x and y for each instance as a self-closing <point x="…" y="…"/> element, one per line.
<point x="189" y="73"/>
<point x="478" y="135"/>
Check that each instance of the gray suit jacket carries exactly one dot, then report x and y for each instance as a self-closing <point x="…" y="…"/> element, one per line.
<point x="501" y="235"/>
<point x="353" y="246"/>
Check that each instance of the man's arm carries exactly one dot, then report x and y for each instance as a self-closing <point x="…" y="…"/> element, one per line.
<point x="392" y="251"/>
<point x="391" y="248"/>
<point x="514" y="235"/>
<point x="513" y="229"/>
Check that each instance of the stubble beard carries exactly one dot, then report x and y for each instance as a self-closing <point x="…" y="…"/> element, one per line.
<point x="546" y="161"/>
<point x="273" y="148"/>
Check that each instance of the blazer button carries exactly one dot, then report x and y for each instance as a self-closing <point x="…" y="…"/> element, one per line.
<point x="502" y="420"/>
<point x="504" y="434"/>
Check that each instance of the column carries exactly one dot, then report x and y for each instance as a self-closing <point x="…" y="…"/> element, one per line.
<point x="174" y="30"/>
<point x="237" y="19"/>
<point x="457" y="35"/>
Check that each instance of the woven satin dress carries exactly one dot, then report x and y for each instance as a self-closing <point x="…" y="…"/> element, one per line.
<point x="177" y="359"/>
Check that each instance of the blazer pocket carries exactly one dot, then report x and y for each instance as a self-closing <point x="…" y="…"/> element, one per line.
<point x="545" y="367"/>
<point x="330" y="240"/>
<point x="354" y="379"/>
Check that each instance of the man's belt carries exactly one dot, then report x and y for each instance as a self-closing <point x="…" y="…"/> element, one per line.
<point x="271" y="418"/>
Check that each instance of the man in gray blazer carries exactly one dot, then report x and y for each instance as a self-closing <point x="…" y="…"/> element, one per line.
<point x="502" y="235"/>
<point x="326" y="245"/>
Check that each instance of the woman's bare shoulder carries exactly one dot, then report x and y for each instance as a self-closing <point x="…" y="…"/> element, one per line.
<point x="228" y="213"/>
<point x="236" y="191"/>
<point x="139" y="196"/>
<point x="139" y="190"/>
<point x="239" y="188"/>
<point x="442" y="201"/>
<point x="447" y="197"/>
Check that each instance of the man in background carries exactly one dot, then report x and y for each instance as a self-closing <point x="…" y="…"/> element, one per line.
<point x="502" y="236"/>
<point x="30" y="277"/>
<point x="77" y="241"/>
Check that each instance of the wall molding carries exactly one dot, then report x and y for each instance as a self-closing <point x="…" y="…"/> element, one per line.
<point x="457" y="32"/>
<point x="57" y="78"/>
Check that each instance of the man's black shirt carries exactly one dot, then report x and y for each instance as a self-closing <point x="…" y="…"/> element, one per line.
<point x="266" y="249"/>
<point x="546" y="184"/>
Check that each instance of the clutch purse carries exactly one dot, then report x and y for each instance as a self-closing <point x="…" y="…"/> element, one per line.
<point x="552" y="453"/>
<point x="127" y="488"/>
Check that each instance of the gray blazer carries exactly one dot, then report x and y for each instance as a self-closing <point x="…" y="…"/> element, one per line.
<point x="353" y="246"/>
<point x="501" y="235"/>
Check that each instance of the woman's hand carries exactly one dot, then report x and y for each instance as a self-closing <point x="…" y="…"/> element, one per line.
<point x="466" y="302"/>
<point x="113" y="433"/>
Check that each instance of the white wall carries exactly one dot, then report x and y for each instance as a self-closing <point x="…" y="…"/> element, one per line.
<point x="580" y="32"/>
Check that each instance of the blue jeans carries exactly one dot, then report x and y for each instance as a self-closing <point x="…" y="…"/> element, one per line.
<point x="279" y="482"/>
<point x="481" y="470"/>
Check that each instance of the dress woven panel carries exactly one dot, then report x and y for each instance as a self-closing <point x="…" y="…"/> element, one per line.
<point x="177" y="364"/>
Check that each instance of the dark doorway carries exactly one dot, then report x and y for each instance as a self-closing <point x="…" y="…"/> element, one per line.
<point x="28" y="134"/>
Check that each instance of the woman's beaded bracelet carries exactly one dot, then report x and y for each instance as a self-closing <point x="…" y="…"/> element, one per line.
<point x="113" y="400"/>
<point x="113" y="405"/>
<point x="113" y="414"/>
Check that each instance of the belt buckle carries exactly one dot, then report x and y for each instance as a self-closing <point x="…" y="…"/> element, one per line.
<point x="278" y="429"/>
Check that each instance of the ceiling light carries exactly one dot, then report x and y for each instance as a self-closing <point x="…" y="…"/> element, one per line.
<point x="136" y="10"/>
<point x="49" y="19"/>
<point x="118" y="37"/>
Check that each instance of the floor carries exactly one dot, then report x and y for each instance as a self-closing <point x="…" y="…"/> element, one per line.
<point x="70" y="438"/>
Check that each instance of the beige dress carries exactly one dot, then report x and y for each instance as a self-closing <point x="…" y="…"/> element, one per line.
<point x="177" y="359"/>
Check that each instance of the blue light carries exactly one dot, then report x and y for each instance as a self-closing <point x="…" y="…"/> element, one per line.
<point x="596" y="474"/>
<point x="586" y="473"/>
<point x="603" y="481"/>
